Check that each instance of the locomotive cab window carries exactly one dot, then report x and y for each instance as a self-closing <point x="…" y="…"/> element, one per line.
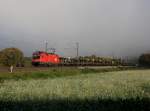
<point x="36" y="57"/>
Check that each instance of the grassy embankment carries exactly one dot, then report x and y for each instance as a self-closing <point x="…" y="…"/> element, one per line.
<point x="43" y="73"/>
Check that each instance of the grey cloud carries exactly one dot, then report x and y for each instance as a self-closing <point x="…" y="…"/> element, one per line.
<point x="102" y="27"/>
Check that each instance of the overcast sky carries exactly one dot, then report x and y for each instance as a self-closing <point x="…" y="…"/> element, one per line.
<point x="102" y="27"/>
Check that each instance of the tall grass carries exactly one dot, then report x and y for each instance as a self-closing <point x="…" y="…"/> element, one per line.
<point x="98" y="89"/>
<point x="127" y="84"/>
<point x="122" y="90"/>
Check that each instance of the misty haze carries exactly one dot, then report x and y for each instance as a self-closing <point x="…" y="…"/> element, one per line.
<point x="102" y="27"/>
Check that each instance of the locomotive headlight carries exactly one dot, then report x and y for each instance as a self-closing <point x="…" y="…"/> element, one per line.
<point x="56" y="59"/>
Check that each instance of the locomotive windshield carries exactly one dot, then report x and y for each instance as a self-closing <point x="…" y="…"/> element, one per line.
<point x="35" y="57"/>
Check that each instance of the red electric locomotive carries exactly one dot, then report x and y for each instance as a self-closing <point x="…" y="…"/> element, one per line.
<point x="45" y="58"/>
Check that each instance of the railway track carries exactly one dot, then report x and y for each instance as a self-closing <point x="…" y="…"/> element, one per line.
<point x="35" y="69"/>
<point x="40" y="69"/>
<point x="24" y="69"/>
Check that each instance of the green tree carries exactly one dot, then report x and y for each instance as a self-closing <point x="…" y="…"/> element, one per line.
<point x="11" y="56"/>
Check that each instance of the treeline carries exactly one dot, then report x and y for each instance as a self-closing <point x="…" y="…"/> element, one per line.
<point x="144" y="60"/>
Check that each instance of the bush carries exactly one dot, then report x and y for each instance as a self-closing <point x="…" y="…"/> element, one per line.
<point x="144" y="60"/>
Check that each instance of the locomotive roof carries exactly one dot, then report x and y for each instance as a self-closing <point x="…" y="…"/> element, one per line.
<point x="41" y="52"/>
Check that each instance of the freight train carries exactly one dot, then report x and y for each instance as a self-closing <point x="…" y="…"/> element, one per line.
<point x="51" y="59"/>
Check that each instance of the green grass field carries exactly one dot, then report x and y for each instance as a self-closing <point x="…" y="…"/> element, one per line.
<point x="78" y="90"/>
